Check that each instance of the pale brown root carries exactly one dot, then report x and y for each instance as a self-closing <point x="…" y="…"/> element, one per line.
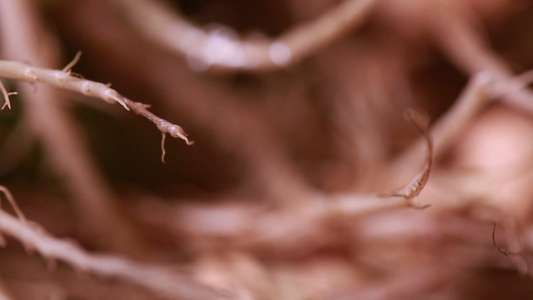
<point x="6" y="96"/>
<point x="170" y="30"/>
<point x="292" y="233"/>
<point x="281" y="231"/>
<point x="13" y="203"/>
<point x="70" y="65"/>
<point x="24" y="72"/>
<point x="354" y="205"/>
<point x="456" y="33"/>
<point x="393" y="251"/>
<point x="446" y="131"/>
<point x="61" y="137"/>
<point x="525" y="78"/>
<point x="495" y="244"/>
<point x="63" y="79"/>
<point x="513" y="241"/>
<point x="222" y="113"/>
<point x="159" y="280"/>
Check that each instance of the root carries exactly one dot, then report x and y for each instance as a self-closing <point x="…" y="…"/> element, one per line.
<point x="447" y="130"/>
<point x="500" y="249"/>
<point x="318" y="139"/>
<point x="60" y="135"/>
<point x="455" y="31"/>
<point x="513" y="240"/>
<point x="417" y="184"/>
<point x="6" y="96"/>
<point x="158" y="24"/>
<point x="24" y="72"/>
<point x="13" y="203"/>
<point x="162" y="282"/>
<point x="68" y="68"/>
<point x="163" y="152"/>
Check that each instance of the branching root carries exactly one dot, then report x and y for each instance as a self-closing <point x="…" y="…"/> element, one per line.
<point x="163" y="282"/>
<point x="417" y="184"/>
<point x="6" y="95"/>
<point x="68" y="68"/>
<point x="497" y="247"/>
<point x="65" y="80"/>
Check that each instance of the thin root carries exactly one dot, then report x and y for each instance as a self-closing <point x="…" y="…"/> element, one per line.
<point x="289" y="48"/>
<point x="121" y="102"/>
<point x="167" y="283"/>
<point x="163" y="152"/>
<point x="6" y="96"/>
<point x="500" y="249"/>
<point x="417" y="184"/>
<point x="71" y="64"/>
<point x="13" y="203"/>
<point x="408" y="201"/>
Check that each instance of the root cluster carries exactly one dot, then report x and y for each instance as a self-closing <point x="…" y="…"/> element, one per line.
<point x="355" y="149"/>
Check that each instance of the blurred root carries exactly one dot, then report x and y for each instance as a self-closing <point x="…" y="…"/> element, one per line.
<point x="4" y="295"/>
<point x="51" y="123"/>
<point x="221" y="50"/>
<point x="160" y="281"/>
<point x="415" y="186"/>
